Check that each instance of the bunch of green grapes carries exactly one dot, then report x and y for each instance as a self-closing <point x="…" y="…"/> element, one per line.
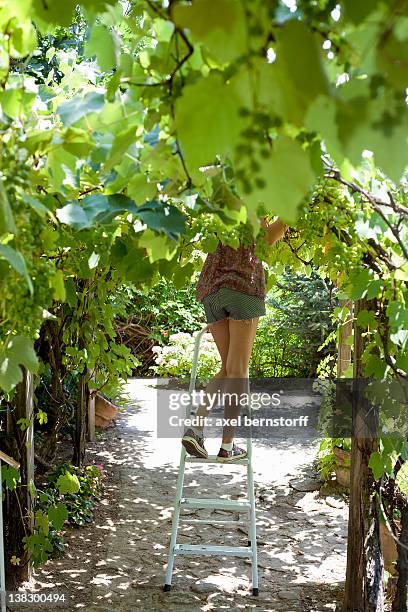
<point x="245" y="233"/>
<point x="262" y="249"/>
<point x="15" y="168"/>
<point x="210" y="229"/>
<point x="22" y="311"/>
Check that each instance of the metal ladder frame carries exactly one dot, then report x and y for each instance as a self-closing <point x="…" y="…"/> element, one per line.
<point x="247" y="506"/>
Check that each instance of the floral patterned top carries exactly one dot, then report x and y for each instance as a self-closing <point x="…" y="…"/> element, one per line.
<point x="237" y="269"/>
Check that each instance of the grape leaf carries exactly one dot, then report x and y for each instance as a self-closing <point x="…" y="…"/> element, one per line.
<point x="56" y="282"/>
<point x="103" y="209"/>
<point x="404" y="451"/>
<point x="7" y="224"/>
<point x="21" y="350"/>
<point x="358" y="283"/>
<point x="366" y="318"/>
<point x="57" y="515"/>
<point x="23" y="39"/>
<point x="402" y="361"/>
<point x="287" y="174"/>
<point x="16" y="261"/>
<point x="207" y="120"/>
<point x="41" y="521"/>
<point x="182" y="275"/>
<point x="79" y="106"/>
<point x="161" y="216"/>
<point x="220" y="26"/>
<point x="62" y="169"/>
<point x="10" y="373"/>
<point x="140" y="189"/>
<point x="321" y="118"/>
<point x="163" y="29"/>
<point x="366" y="123"/>
<point x="38" y="206"/>
<point x="103" y="44"/>
<point x="77" y="142"/>
<point x="297" y="75"/>
<point x="376" y="463"/>
<point x="68" y="483"/>
<point x="397" y="314"/>
<point x="123" y="140"/>
<point x="357" y="11"/>
<point x="136" y="267"/>
<point x="375" y="366"/>
<point x="73" y="214"/>
<point x="10" y="475"/>
<point x="45" y="13"/>
<point x="18" y="351"/>
<point x="157" y="246"/>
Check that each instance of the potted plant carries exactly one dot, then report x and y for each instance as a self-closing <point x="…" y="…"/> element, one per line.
<point x="342" y="459"/>
<point x="105" y="411"/>
<point x="334" y="456"/>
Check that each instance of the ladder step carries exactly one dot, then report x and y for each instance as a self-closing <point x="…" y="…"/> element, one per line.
<point x="211" y="521"/>
<point x="216" y="504"/>
<point x="213" y="459"/>
<point x="212" y="549"/>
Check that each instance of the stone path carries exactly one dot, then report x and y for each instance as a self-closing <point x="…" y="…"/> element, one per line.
<point x="119" y="561"/>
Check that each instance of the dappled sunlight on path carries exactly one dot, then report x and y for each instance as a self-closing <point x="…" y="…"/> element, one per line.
<point x="120" y="560"/>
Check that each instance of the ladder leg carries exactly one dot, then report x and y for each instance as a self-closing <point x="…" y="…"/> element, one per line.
<point x="252" y="530"/>
<point x="252" y="512"/>
<point x="175" y="521"/>
<point x="180" y="478"/>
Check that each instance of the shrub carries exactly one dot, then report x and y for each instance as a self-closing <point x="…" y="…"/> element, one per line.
<point x="74" y="509"/>
<point x="146" y="318"/>
<point x="326" y="460"/>
<point x="296" y="325"/>
<point x="175" y="359"/>
<point x="80" y="505"/>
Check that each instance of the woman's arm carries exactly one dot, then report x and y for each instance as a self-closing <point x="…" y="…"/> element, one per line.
<point x="274" y="231"/>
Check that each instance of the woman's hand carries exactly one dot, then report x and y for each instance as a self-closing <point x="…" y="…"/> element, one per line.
<point x="274" y="231"/>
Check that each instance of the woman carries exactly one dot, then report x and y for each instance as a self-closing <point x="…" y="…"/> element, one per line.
<point x="231" y="287"/>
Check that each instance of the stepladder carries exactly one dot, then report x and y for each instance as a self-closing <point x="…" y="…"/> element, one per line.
<point x="245" y="507"/>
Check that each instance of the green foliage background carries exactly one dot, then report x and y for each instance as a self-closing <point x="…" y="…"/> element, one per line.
<point x="134" y="135"/>
<point x="131" y="134"/>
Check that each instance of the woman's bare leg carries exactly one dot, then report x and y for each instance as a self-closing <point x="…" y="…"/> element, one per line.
<point x="241" y="340"/>
<point x="220" y="333"/>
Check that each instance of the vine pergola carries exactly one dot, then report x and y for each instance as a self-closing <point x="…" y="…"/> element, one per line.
<point x="130" y="134"/>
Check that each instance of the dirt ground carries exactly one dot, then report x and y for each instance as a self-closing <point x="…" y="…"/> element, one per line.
<point x="119" y="561"/>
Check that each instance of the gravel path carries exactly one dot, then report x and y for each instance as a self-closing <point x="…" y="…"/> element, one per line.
<point x="119" y="561"/>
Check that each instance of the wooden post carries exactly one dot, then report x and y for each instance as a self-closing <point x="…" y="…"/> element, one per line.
<point x="91" y="415"/>
<point x="9" y="461"/>
<point x="91" y="418"/>
<point x="364" y="576"/>
<point x="20" y="444"/>
<point x="346" y="329"/>
<point x="81" y="407"/>
<point x="2" y="566"/>
<point x="78" y="456"/>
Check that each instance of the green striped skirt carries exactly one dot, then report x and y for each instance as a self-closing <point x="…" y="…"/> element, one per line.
<point x="229" y="303"/>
